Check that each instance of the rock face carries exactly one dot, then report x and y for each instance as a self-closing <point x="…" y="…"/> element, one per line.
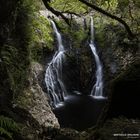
<point x="116" y="60"/>
<point x="35" y="101"/>
<point x="78" y="71"/>
<point x="121" y="67"/>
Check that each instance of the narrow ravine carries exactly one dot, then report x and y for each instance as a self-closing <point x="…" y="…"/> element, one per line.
<point x="69" y="70"/>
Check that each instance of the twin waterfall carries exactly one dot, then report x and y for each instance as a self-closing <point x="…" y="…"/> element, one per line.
<point x="53" y="76"/>
<point x="97" y="90"/>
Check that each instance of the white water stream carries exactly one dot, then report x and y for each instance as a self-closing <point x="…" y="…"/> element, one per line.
<point x="97" y="90"/>
<point x="53" y="76"/>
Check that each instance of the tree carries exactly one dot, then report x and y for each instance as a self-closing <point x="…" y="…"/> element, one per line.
<point x="57" y="13"/>
<point x="109" y="15"/>
<point x="69" y="6"/>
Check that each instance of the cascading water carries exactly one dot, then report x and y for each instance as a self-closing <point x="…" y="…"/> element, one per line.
<point x="78" y="111"/>
<point x="97" y="90"/>
<point x="53" y="76"/>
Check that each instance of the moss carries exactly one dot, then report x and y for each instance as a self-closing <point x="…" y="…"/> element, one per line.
<point x="41" y="29"/>
<point x="26" y="100"/>
<point x="16" y="70"/>
<point x="28" y="36"/>
<point x="41" y="37"/>
<point x="76" y="35"/>
<point x="15" y="52"/>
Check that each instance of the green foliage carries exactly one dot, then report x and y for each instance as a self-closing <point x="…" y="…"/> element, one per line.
<point x="15" y="53"/>
<point x="9" y="124"/>
<point x="76" y="34"/>
<point x="36" y="31"/>
<point x="128" y="10"/>
<point x="69" y="5"/>
<point x="26" y="32"/>
<point x="8" y="127"/>
<point x="16" y="70"/>
<point x="41" y="36"/>
<point x="41" y="30"/>
<point x="5" y="133"/>
<point x="109" y="5"/>
<point x="79" y="35"/>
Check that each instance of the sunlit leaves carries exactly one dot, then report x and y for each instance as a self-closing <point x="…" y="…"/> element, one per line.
<point x="69" y="5"/>
<point x="109" y="5"/>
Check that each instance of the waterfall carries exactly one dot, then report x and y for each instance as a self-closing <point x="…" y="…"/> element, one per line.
<point x="53" y="75"/>
<point x="97" y="90"/>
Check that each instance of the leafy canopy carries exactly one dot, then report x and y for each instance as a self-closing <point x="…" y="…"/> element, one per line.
<point x="69" y="6"/>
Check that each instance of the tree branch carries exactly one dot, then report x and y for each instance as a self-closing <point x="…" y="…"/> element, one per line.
<point x="55" y="12"/>
<point x="109" y="15"/>
<point x="71" y="13"/>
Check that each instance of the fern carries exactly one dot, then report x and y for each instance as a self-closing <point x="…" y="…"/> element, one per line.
<point x="5" y="133"/>
<point x="8" y="126"/>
